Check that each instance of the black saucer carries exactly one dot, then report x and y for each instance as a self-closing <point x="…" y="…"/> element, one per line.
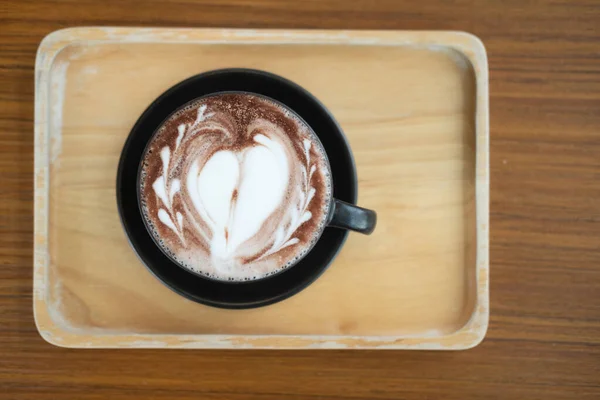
<point x="240" y="294"/>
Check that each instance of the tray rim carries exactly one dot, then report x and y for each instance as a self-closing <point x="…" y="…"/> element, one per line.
<point x="470" y="46"/>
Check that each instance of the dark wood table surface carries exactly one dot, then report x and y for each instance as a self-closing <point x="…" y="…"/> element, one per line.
<point x="544" y="335"/>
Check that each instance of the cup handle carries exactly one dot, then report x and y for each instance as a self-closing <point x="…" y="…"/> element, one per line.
<point x="348" y="216"/>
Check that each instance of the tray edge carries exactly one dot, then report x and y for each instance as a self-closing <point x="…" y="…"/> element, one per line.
<point x="471" y="47"/>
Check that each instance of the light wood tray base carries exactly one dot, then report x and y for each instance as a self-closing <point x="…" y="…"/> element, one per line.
<point x="414" y="106"/>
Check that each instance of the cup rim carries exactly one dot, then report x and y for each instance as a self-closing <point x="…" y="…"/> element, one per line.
<point x="315" y="137"/>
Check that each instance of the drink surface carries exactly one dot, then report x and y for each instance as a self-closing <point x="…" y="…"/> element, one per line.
<point x="235" y="186"/>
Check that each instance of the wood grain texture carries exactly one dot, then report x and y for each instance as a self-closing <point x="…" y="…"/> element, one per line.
<point x="544" y="339"/>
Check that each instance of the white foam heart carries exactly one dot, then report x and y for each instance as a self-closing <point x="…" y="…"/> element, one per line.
<point x="236" y="192"/>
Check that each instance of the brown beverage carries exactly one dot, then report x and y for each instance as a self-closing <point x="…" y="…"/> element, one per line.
<point x="235" y="186"/>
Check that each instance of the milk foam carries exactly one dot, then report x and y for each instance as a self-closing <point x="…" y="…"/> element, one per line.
<point x="235" y="187"/>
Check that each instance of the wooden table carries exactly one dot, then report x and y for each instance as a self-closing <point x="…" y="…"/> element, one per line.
<point x="544" y="336"/>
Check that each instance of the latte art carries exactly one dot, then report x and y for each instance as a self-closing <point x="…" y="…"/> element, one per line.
<point x="235" y="187"/>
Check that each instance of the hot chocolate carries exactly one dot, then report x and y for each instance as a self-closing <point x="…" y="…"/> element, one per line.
<point x="235" y="186"/>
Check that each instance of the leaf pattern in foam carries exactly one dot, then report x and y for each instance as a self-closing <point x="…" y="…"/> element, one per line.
<point x="312" y="171"/>
<point x="166" y="194"/>
<point x="181" y="131"/>
<point x="200" y="116"/>
<point x="307" y="150"/>
<point x="164" y="217"/>
<point x="294" y="217"/>
<point x="160" y="190"/>
<point x="305" y="217"/>
<point x="311" y="194"/>
<point x="299" y="215"/>
<point x="175" y="186"/>
<point x="290" y="242"/>
<point x="165" y="156"/>
<point x="180" y="220"/>
<point x="303" y="170"/>
<point x="301" y="197"/>
<point x="279" y="237"/>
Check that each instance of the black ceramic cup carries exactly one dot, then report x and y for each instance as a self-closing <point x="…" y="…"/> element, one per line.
<point x="344" y="215"/>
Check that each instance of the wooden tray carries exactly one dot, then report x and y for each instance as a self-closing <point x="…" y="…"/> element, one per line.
<point x="414" y="106"/>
